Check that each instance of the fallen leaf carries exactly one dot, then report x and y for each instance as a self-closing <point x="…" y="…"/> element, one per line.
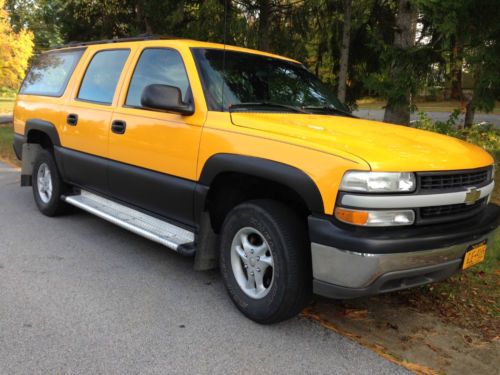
<point x="356" y="314"/>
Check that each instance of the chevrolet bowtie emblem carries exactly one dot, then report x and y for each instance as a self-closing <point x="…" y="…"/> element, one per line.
<point x="472" y="196"/>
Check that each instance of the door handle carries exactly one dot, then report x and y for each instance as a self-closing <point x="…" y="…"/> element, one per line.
<point x="72" y="119"/>
<point x="118" y="126"/>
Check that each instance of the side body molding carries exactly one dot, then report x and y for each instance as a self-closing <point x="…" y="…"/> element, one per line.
<point x="45" y="127"/>
<point x="271" y="170"/>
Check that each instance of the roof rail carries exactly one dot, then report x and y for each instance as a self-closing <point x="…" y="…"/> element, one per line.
<point x="118" y="40"/>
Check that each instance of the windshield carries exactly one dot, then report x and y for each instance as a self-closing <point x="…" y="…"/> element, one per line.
<point x="248" y="81"/>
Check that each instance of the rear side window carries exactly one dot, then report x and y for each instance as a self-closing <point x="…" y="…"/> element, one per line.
<point x="158" y="65"/>
<point x="102" y="75"/>
<point x="50" y="73"/>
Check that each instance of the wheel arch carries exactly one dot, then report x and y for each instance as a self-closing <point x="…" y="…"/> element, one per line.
<point x="38" y="135"/>
<point x="40" y="131"/>
<point x="290" y="182"/>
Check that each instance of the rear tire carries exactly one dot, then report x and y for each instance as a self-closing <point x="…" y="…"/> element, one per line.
<point x="48" y="185"/>
<point x="265" y="262"/>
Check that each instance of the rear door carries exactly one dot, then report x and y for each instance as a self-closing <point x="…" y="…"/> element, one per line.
<point x="88" y="118"/>
<point x="153" y="157"/>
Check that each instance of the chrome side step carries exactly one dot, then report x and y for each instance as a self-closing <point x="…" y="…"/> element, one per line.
<point x="153" y="229"/>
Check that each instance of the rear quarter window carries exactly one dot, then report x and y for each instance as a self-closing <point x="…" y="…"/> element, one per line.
<point x="50" y="73"/>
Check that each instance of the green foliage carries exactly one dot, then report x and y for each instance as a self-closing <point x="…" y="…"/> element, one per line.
<point x="472" y="25"/>
<point x="8" y="93"/>
<point x="483" y="135"/>
<point x="40" y="17"/>
<point x="414" y="67"/>
<point x="307" y="30"/>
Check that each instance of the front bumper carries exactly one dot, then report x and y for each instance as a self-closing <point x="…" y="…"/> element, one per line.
<point x="351" y="262"/>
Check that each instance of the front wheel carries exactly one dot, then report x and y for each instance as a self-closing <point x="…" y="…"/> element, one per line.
<point x="264" y="261"/>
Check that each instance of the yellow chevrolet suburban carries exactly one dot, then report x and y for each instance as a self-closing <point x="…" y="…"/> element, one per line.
<point x="244" y="160"/>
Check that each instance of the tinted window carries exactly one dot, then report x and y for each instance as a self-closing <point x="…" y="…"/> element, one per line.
<point x="163" y="66"/>
<point x="102" y="75"/>
<point x="50" y="73"/>
<point x="251" y="78"/>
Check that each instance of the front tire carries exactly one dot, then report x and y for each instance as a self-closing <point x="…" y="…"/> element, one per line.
<point x="264" y="261"/>
<point x="48" y="185"/>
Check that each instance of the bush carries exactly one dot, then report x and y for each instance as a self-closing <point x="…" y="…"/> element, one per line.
<point x="6" y="92"/>
<point x="483" y="134"/>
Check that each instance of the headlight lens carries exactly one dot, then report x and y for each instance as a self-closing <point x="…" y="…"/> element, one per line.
<point x="382" y="218"/>
<point x="378" y="182"/>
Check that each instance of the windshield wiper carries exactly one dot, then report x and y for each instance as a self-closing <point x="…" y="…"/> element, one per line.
<point x="266" y="105"/>
<point x="328" y="108"/>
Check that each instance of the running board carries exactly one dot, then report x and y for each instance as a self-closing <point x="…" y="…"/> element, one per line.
<point x="171" y="236"/>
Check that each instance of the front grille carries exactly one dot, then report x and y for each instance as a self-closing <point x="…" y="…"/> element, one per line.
<point x="451" y="180"/>
<point x="450" y="210"/>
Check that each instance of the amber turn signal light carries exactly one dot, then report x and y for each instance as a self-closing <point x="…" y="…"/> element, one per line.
<point x="376" y="218"/>
<point x="351" y="217"/>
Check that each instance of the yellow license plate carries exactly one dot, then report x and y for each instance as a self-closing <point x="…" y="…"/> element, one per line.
<point x="475" y="255"/>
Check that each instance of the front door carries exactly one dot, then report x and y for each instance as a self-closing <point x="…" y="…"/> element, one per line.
<point x="153" y="153"/>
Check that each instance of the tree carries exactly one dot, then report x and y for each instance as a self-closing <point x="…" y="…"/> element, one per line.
<point x="16" y="49"/>
<point x="344" y="50"/>
<point x="40" y="17"/>
<point x="456" y="64"/>
<point x="473" y="45"/>
<point x="397" y="110"/>
<point x="83" y="20"/>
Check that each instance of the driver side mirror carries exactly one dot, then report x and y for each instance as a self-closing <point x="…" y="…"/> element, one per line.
<point x="165" y="98"/>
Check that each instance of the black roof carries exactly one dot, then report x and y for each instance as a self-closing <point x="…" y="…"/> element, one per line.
<point x="119" y="40"/>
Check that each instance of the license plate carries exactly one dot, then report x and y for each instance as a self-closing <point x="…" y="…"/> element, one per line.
<point x="474" y="255"/>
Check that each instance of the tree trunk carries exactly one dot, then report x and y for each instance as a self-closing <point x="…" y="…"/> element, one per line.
<point x="397" y="110"/>
<point x="344" y="51"/>
<point x="142" y="18"/>
<point x="456" y="69"/>
<point x="470" y="111"/>
<point x="265" y="10"/>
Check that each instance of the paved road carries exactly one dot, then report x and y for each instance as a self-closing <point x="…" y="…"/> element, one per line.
<point x="378" y="114"/>
<point x="79" y="295"/>
<point x="5" y="118"/>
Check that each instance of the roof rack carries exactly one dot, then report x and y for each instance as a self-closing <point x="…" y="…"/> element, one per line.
<point x="119" y="40"/>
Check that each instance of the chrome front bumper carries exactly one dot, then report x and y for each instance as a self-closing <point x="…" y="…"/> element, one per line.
<point x="345" y="274"/>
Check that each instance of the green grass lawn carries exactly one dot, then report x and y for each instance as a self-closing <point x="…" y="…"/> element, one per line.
<point x="6" y="105"/>
<point x="6" y="151"/>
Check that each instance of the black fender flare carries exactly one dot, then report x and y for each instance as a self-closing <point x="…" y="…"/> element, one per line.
<point x="284" y="174"/>
<point x="43" y="126"/>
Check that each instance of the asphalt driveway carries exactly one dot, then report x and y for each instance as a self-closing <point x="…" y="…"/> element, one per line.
<point x="81" y="296"/>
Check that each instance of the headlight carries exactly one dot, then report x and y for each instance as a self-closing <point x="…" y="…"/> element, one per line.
<point x="379" y="218"/>
<point x="378" y="182"/>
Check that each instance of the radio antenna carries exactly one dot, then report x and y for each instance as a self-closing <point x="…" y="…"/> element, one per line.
<point x="224" y="53"/>
<point x="225" y="23"/>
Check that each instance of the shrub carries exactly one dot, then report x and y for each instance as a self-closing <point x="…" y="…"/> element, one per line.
<point x="484" y="135"/>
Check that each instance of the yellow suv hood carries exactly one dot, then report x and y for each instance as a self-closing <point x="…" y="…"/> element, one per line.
<point x="384" y="147"/>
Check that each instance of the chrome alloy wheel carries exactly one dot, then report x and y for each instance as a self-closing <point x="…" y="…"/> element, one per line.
<point x="44" y="183"/>
<point x="252" y="262"/>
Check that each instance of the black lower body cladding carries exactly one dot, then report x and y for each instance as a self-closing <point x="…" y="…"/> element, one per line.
<point x="17" y="144"/>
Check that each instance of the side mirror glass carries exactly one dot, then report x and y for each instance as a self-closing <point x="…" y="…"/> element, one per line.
<point x="165" y="98"/>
